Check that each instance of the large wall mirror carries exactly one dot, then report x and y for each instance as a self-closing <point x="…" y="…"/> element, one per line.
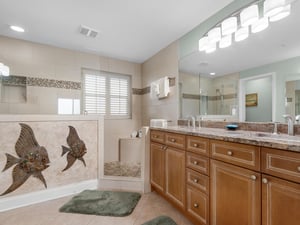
<point x="272" y="56"/>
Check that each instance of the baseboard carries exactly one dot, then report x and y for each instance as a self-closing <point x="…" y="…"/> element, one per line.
<point x="45" y="195"/>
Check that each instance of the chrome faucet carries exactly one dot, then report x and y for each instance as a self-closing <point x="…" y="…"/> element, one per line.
<point x="193" y="121"/>
<point x="275" y="130"/>
<point x="290" y="124"/>
<point x="199" y="119"/>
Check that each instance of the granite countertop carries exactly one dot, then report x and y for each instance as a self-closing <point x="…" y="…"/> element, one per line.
<point x="279" y="141"/>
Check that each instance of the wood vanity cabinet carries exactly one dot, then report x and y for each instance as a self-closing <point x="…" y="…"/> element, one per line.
<point x="235" y="185"/>
<point x="280" y="187"/>
<point x="167" y="163"/>
<point x="235" y="195"/>
<point x="218" y="182"/>
<point x="157" y="168"/>
<point x="197" y="179"/>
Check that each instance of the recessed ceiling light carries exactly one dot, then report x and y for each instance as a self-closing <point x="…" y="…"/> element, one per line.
<point x="17" y="28"/>
<point x="212" y="73"/>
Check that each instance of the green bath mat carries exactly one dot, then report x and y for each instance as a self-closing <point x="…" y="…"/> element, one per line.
<point x="103" y="203"/>
<point x="161" y="220"/>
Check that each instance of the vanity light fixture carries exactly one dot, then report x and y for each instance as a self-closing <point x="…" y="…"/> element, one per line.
<point x="212" y="73"/>
<point x="249" y="15"/>
<point x="4" y="70"/>
<point x="225" y="41"/>
<point x="241" y="34"/>
<point x="239" y="23"/>
<point x="229" y="25"/>
<point x="273" y="7"/>
<point x="214" y="35"/>
<point x="203" y="42"/>
<point x="260" y="25"/>
<point x="211" y="47"/>
<point x="282" y="14"/>
<point x="17" y="29"/>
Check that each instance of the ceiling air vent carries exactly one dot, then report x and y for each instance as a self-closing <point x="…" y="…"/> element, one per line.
<point x="89" y="32"/>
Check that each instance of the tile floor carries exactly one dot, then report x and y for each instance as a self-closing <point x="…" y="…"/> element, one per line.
<point x="149" y="206"/>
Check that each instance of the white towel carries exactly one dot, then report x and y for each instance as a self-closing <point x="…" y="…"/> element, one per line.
<point x="164" y="87"/>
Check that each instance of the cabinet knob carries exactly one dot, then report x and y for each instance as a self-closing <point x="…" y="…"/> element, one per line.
<point x="195" y="180"/>
<point x="195" y="162"/>
<point x="229" y="153"/>
<point x="196" y="205"/>
<point x="162" y="147"/>
<point x="298" y="168"/>
<point x="155" y="136"/>
<point x="265" y="180"/>
<point x="195" y="145"/>
<point x="253" y="177"/>
<point x="173" y="140"/>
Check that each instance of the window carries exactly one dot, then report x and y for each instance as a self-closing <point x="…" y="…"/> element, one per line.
<point x="106" y="94"/>
<point x="68" y="106"/>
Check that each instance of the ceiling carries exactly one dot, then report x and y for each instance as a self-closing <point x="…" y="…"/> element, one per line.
<point x="280" y="41"/>
<point x="132" y="30"/>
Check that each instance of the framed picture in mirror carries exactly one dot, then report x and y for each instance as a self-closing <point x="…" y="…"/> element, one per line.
<point x="251" y="99"/>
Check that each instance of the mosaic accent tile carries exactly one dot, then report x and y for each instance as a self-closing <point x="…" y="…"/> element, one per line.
<point x="210" y="98"/>
<point x="14" y="81"/>
<point x="191" y="96"/>
<point x="137" y="91"/>
<point x="43" y="82"/>
<point x="124" y="169"/>
<point x="146" y="90"/>
<point x="172" y="81"/>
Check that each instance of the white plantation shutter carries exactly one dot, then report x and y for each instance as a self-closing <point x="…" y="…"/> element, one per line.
<point x="119" y="96"/>
<point x="107" y="94"/>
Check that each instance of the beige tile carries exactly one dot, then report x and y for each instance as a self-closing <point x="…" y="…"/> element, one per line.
<point x="150" y="206"/>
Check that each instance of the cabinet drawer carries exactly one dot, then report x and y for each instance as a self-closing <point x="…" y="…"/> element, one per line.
<point x="175" y="140"/>
<point x="198" y="163"/>
<point x="197" y="205"/>
<point x="243" y="155"/>
<point x="198" y="145"/>
<point x="281" y="163"/>
<point x="197" y="180"/>
<point x="158" y="136"/>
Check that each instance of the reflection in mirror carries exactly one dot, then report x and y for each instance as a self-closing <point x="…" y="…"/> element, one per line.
<point x="292" y="100"/>
<point x="208" y="96"/>
<point x="274" y="50"/>
<point x="257" y="96"/>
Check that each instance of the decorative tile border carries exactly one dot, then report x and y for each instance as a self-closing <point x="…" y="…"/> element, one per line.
<point x="42" y="82"/>
<point x="210" y="98"/>
<point x="14" y="81"/>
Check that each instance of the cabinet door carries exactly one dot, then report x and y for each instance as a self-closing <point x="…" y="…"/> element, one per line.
<point x="175" y="176"/>
<point x="197" y="205"/>
<point x="235" y="195"/>
<point x="157" y="171"/>
<point x="280" y="202"/>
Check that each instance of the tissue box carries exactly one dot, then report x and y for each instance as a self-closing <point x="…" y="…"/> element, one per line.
<point x="158" y="123"/>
